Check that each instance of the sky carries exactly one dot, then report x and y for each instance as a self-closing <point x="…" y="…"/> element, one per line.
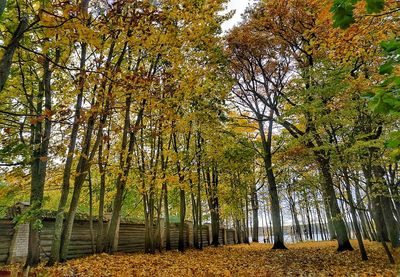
<point x="239" y="6"/>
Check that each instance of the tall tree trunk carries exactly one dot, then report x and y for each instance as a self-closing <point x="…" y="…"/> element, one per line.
<point x="65" y="187"/>
<point x="91" y="228"/>
<point x="245" y="235"/>
<point x="81" y="172"/>
<point x="337" y="218"/>
<point x="377" y="210"/>
<point x="100" y="226"/>
<point x="159" y="234"/>
<point x="199" y="211"/>
<point x="353" y="212"/>
<point x="296" y="220"/>
<point x="166" y="215"/>
<point x="321" y="227"/>
<point x="196" y="198"/>
<point x="182" y="215"/>
<point x="331" y="229"/>
<point x="195" y="217"/>
<point x="164" y="162"/>
<point x="8" y="54"/>
<point x="213" y="201"/>
<point x="125" y="161"/>
<point x="361" y="206"/>
<point x="382" y="189"/>
<point x="41" y="141"/>
<point x="378" y="217"/>
<point x="310" y="232"/>
<point x="254" y="207"/>
<point x="238" y="231"/>
<point x="272" y="187"/>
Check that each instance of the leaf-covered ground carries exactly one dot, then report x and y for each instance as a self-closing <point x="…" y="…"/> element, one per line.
<point x="303" y="259"/>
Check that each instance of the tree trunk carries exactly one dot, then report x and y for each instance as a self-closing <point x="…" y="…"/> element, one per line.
<point x="337" y="219"/>
<point x="380" y="226"/>
<point x="292" y="205"/>
<point x="59" y="221"/>
<point x="331" y="229"/>
<point x="321" y="227"/>
<point x="91" y="213"/>
<point x="81" y="172"/>
<point x="254" y="207"/>
<point x="166" y="215"/>
<point x="41" y="141"/>
<point x="383" y="191"/>
<point x="6" y="60"/>
<point x="310" y="232"/>
<point x="195" y="218"/>
<point x="182" y="215"/>
<point x="125" y="162"/>
<point x="164" y="161"/>
<point x="272" y="188"/>
<point x="100" y="226"/>
<point x="360" y="204"/>
<point x="238" y="231"/>
<point x="199" y="211"/>
<point x="353" y="212"/>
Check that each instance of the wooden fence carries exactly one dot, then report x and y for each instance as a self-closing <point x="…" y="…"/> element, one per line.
<point x="131" y="238"/>
<point x="6" y="236"/>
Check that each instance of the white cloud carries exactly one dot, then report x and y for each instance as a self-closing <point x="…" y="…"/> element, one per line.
<point x="239" y="6"/>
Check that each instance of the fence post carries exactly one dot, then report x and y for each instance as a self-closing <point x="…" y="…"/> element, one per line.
<point x="225" y="241"/>
<point x="209" y="235"/>
<point x="162" y="233"/>
<point x="18" y="252"/>
<point x="189" y="226"/>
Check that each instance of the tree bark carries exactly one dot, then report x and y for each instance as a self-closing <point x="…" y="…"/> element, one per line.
<point x="91" y="213"/>
<point x="41" y="141"/>
<point x="6" y="59"/>
<point x="337" y="219"/>
<point x="254" y="207"/>
<point x="182" y="215"/>
<point x="273" y="191"/>
<point x="100" y="226"/>
<point x="360" y="204"/>
<point x="382" y="189"/>
<point x="81" y="172"/>
<point x="125" y="166"/>
<point x="65" y="187"/>
<point x="353" y="212"/>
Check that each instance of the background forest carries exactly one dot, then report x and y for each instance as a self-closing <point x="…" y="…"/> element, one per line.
<point x="145" y="110"/>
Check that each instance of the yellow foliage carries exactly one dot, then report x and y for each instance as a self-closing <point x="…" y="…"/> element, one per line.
<point x="302" y="259"/>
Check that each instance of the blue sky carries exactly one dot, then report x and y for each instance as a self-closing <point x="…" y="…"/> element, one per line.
<point x="239" y="6"/>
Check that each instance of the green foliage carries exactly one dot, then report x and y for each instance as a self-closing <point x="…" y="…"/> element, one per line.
<point x="375" y="6"/>
<point x="391" y="49"/>
<point x="343" y="14"/>
<point x="32" y="215"/>
<point x="14" y="151"/>
<point x="387" y="96"/>
<point x="394" y="140"/>
<point x="7" y="198"/>
<point x="343" y="11"/>
<point x="386" y="99"/>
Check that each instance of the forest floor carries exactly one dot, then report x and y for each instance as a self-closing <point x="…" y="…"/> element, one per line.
<point x="302" y="259"/>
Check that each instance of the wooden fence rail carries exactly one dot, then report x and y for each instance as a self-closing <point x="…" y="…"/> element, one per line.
<point x="131" y="238"/>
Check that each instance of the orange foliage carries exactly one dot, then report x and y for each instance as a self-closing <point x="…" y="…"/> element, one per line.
<point x="302" y="259"/>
